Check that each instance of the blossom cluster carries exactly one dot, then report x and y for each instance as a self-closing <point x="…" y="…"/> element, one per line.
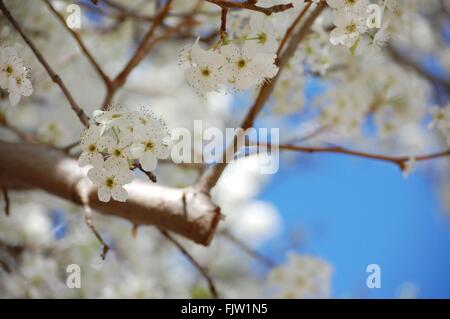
<point x="238" y="64"/>
<point x="441" y="121"/>
<point x="14" y="75"/>
<point x="302" y="277"/>
<point x="353" y="19"/>
<point x="119" y="141"/>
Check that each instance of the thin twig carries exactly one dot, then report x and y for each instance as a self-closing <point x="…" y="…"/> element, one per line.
<point x="7" y="202"/>
<point x="142" y="50"/>
<point x="409" y="63"/>
<point x="27" y="137"/>
<point x="90" y="224"/>
<point x="201" y="269"/>
<point x="84" y="119"/>
<point x="292" y="27"/>
<point x="82" y="46"/>
<point x="150" y="175"/>
<point x="223" y="23"/>
<point x="66" y="149"/>
<point x="400" y="161"/>
<point x="308" y="136"/>
<point x="251" y="5"/>
<point x="247" y="249"/>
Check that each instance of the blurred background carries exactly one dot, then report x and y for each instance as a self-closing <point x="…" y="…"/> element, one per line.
<point x="310" y="230"/>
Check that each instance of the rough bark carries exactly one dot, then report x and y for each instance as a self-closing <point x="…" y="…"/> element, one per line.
<point x="187" y="212"/>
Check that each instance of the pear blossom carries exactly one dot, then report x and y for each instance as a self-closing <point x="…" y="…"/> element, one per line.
<point x="150" y="144"/>
<point x="441" y="121"/>
<point x="110" y="177"/>
<point x="349" y="27"/>
<point x="358" y="7"/>
<point x="302" y="277"/>
<point x="246" y="67"/>
<point x="118" y="148"/>
<point x="115" y="116"/>
<point x="204" y="74"/>
<point x="14" y="75"/>
<point x="119" y="140"/>
<point x="409" y="167"/>
<point x="440" y="118"/>
<point x="92" y="144"/>
<point x="372" y="45"/>
<point x="265" y="34"/>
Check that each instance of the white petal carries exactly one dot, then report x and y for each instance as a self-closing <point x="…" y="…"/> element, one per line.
<point x="230" y="52"/>
<point x="115" y="164"/>
<point x="96" y="175"/>
<point x="14" y="97"/>
<point x="119" y="193"/>
<point x="104" y="194"/>
<point x="137" y="149"/>
<point x="148" y="161"/>
<point x="124" y="176"/>
<point x="26" y="87"/>
<point x="83" y="160"/>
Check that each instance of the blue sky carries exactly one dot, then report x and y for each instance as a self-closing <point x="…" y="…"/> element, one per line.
<point x="356" y="212"/>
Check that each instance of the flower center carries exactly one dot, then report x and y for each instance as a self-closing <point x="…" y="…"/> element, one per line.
<point x="143" y="120"/>
<point x="206" y="72"/>
<point x="118" y="152"/>
<point x="9" y="69"/>
<point x="351" y="28"/>
<point x="110" y="182"/>
<point x="149" y="146"/>
<point x="241" y="63"/>
<point x="92" y="148"/>
<point x="19" y="81"/>
<point x="116" y="116"/>
<point x="262" y="37"/>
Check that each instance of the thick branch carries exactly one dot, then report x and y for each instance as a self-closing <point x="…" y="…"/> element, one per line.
<point x="182" y="211"/>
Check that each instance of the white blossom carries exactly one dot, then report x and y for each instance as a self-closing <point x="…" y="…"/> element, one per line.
<point x="204" y="74"/>
<point x="349" y="27"/>
<point x="150" y="144"/>
<point x="92" y="144"/>
<point x="246" y="67"/>
<point x="14" y="75"/>
<point x="302" y="277"/>
<point x="110" y="177"/>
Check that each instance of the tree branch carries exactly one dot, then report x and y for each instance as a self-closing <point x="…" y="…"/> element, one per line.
<point x="183" y="211"/>
<point x="209" y="179"/>
<point x="248" y="250"/>
<point x="6" y="199"/>
<point x="251" y="5"/>
<point x="84" y="119"/>
<point x="200" y="268"/>
<point x="82" y="46"/>
<point x="400" y="161"/>
<point x="411" y="64"/>
<point x="147" y="43"/>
